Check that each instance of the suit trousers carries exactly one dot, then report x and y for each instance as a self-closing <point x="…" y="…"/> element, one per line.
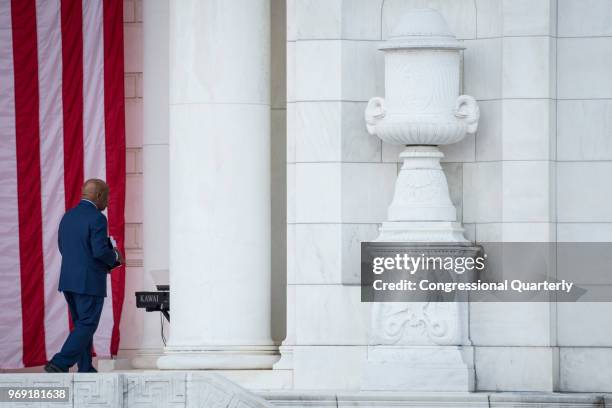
<point x="85" y="311"/>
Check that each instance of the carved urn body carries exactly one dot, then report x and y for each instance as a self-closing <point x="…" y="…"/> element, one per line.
<point x="422" y="109"/>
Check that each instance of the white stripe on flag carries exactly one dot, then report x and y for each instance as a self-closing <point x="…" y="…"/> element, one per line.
<point x="94" y="162"/>
<point x="49" y="33"/>
<point x="11" y="351"/>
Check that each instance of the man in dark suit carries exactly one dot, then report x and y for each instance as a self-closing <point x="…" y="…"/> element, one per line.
<point x="87" y="257"/>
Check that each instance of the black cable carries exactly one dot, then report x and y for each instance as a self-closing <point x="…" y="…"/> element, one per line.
<point x="161" y="322"/>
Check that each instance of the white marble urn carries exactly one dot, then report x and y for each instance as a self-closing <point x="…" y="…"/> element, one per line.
<point x="422" y="109"/>
<point x="422" y="105"/>
<point x="421" y="346"/>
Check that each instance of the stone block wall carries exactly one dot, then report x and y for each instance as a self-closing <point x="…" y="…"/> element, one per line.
<point x="536" y="171"/>
<point x="338" y="185"/>
<point x="584" y="190"/>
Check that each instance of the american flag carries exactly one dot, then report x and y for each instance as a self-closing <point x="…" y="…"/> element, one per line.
<point x="61" y="122"/>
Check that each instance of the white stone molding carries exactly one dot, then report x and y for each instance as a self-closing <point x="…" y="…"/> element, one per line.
<point x="398" y="399"/>
<point x="95" y="390"/>
<point x="418" y="323"/>
<point x="187" y="389"/>
<point x="421" y="231"/>
<point x="139" y="390"/>
<point x="155" y="390"/>
<point x="214" y="391"/>
<point x="223" y="357"/>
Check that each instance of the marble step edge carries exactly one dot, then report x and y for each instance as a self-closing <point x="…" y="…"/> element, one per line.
<point x="316" y="398"/>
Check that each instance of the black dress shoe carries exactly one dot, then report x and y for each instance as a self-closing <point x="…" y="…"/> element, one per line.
<point x="52" y="368"/>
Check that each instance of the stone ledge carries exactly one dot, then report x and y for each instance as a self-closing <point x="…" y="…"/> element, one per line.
<point x="320" y="399"/>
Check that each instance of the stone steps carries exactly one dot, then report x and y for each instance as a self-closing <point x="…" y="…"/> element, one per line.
<point x="204" y="389"/>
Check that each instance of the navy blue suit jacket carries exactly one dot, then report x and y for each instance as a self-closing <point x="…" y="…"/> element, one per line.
<point x="87" y="253"/>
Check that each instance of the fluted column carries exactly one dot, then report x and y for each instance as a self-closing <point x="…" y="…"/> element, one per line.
<point x="219" y="185"/>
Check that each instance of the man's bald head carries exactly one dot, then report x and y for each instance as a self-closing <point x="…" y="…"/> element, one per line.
<point x="96" y="190"/>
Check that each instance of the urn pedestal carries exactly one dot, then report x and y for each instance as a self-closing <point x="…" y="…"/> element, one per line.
<point x="421" y="346"/>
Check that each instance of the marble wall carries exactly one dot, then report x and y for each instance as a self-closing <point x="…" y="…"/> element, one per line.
<point x="584" y="166"/>
<point x="508" y="180"/>
<point x="337" y="180"/>
<point x="535" y="171"/>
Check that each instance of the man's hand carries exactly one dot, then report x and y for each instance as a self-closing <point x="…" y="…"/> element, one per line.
<point x="120" y="257"/>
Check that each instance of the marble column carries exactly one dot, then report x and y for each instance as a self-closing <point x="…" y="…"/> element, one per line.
<point x="219" y="186"/>
<point x="155" y="169"/>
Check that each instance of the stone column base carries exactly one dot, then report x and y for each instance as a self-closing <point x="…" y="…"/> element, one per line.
<point x="286" y="360"/>
<point x="419" y="368"/>
<point x="219" y="358"/>
<point x="147" y="358"/>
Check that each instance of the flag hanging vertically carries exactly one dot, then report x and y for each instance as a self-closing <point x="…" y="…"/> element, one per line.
<point x="61" y="122"/>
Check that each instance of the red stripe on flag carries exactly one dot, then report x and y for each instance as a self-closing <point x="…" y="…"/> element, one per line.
<point x="114" y="118"/>
<point x="72" y="98"/>
<point x="25" y="57"/>
<point x="72" y="102"/>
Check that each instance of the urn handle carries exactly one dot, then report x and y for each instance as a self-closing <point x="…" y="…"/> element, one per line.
<point x="374" y="113"/>
<point x="466" y="109"/>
